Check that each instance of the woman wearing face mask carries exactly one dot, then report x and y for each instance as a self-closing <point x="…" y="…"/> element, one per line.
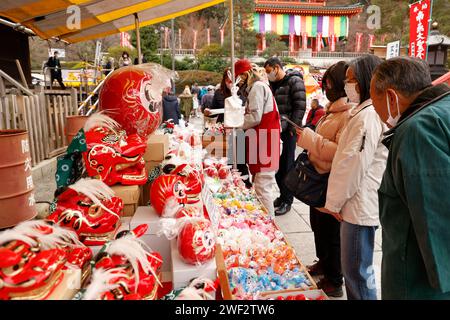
<point x="355" y="177"/>
<point x="124" y="60"/>
<point x="262" y="128"/>
<point x="321" y="146"/>
<point x="220" y="96"/>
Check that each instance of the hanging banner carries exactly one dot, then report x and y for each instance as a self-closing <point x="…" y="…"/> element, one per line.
<point x="125" y="40"/>
<point x="222" y="36"/>
<point x="371" y="40"/>
<point x="333" y="43"/>
<point x="419" y="15"/>
<point x="358" y="41"/>
<point x="166" y="37"/>
<point x="319" y="42"/>
<point x="305" y="41"/>
<point x="393" y="49"/>
<point x="263" y="42"/>
<point x="195" y="40"/>
<point x="291" y="42"/>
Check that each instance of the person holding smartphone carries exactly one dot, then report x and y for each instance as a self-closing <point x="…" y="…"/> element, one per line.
<point x="321" y="145"/>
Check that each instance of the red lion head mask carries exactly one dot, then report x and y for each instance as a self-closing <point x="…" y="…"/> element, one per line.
<point x="33" y="256"/>
<point x="125" y="270"/>
<point x="133" y="97"/>
<point x="113" y="156"/>
<point x="90" y="208"/>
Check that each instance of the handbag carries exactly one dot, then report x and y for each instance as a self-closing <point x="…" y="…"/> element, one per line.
<point x="306" y="184"/>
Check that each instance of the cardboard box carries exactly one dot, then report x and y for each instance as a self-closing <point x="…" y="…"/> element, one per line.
<point x="148" y="216"/>
<point x="130" y="196"/>
<point x="215" y="146"/>
<point x="183" y="273"/>
<point x="145" y="189"/>
<point x="157" y="147"/>
<point x="69" y="285"/>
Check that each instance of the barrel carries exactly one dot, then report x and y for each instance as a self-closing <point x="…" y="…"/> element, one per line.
<point x="17" y="201"/>
<point x="73" y="125"/>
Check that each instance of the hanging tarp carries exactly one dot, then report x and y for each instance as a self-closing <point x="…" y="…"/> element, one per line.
<point x="284" y="24"/>
<point x="98" y="18"/>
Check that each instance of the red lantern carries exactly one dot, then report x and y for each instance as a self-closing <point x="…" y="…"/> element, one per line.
<point x="133" y="97"/>
<point x="196" y="242"/>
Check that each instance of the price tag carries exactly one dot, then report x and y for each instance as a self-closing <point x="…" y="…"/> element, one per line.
<point x="211" y="206"/>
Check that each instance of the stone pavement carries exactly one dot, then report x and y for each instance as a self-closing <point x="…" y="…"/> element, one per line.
<point x="296" y="226"/>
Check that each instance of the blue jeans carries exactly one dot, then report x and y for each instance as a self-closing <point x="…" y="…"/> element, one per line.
<point x="357" y="245"/>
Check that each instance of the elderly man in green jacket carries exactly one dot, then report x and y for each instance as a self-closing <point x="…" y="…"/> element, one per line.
<point x="413" y="196"/>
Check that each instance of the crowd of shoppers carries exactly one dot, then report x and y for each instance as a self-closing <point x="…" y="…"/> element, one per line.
<point x="383" y="124"/>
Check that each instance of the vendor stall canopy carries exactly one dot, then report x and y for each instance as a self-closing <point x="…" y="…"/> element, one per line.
<point x="98" y="18"/>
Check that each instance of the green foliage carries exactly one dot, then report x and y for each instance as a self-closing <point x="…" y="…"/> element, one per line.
<point x="275" y="49"/>
<point x="217" y="12"/>
<point x="203" y="78"/>
<point x="288" y="60"/>
<point x="395" y="18"/>
<point x="150" y="39"/>
<point x="211" y="58"/>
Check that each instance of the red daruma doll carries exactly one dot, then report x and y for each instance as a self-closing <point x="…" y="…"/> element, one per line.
<point x="132" y="96"/>
<point x="196" y="241"/>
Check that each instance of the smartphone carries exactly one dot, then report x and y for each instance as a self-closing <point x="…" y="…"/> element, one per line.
<point x="296" y="126"/>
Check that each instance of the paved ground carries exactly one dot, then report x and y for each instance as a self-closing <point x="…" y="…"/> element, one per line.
<point x="298" y="231"/>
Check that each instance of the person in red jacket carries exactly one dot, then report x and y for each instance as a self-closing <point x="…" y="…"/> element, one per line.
<point x="314" y="115"/>
<point x="262" y="130"/>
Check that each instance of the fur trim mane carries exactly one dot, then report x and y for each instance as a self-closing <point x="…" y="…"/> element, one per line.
<point x="101" y="120"/>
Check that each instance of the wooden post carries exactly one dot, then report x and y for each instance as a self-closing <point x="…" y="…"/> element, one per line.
<point x="138" y="38"/>
<point x="22" y="75"/>
<point x="223" y="274"/>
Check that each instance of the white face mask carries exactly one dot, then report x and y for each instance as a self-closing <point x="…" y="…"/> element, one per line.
<point x="272" y="76"/>
<point x="392" y="121"/>
<point x="352" y="95"/>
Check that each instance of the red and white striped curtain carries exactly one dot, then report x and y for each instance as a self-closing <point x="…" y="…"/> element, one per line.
<point x="333" y="43"/>
<point x="319" y="42"/>
<point x="305" y="41"/>
<point x="263" y="42"/>
<point x="371" y="40"/>
<point x="291" y="42"/>
<point x="358" y="41"/>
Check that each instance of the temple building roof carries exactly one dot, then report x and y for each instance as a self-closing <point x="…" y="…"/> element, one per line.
<point x="317" y="8"/>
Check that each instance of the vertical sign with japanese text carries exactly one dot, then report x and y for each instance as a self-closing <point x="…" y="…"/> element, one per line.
<point x="393" y="49"/>
<point x="419" y="25"/>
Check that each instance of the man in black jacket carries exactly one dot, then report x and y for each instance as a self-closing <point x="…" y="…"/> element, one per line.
<point x="290" y="94"/>
<point x="55" y="70"/>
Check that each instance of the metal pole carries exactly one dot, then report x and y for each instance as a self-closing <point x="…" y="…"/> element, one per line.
<point x="161" y="44"/>
<point x="173" y="44"/>
<point x="232" y="40"/>
<point x="233" y="76"/>
<point x="138" y="38"/>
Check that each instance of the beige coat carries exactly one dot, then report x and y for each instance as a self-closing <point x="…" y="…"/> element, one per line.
<point x="322" y="144"/>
